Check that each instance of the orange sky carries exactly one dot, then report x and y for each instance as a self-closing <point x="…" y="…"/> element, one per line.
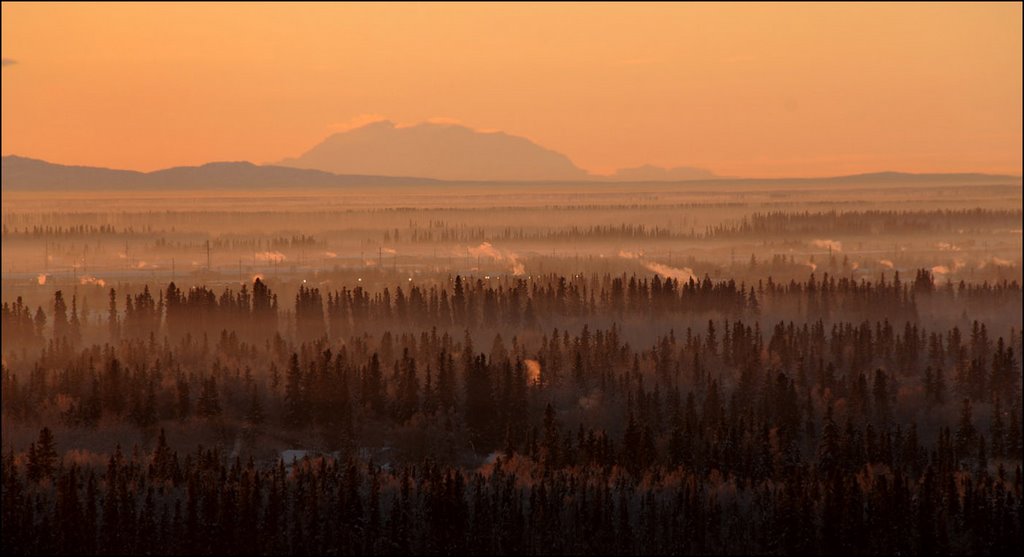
<point x="744" y="90"/>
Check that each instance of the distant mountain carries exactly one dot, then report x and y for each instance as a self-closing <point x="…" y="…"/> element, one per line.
<point x="875" y="179"/>
<point x="24" y="174"/>
<point x="29" y="174"/>
<point x="915" y="178"/>
<point x="442" y="151"/>
<point x="651" y="173"/>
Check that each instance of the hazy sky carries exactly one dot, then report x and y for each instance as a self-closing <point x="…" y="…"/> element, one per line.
<point x="745" y="90"/>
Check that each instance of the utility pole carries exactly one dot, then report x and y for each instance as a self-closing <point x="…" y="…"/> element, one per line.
<point x="208" y="259"/>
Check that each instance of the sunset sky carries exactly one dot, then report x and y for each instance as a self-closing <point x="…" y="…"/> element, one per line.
<point x="744" y="90"/>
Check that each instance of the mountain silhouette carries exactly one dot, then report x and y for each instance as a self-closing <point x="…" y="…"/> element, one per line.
<point x="442" y="151"/>
<point x="651" y="173"/>
<point x="25" y="174"/>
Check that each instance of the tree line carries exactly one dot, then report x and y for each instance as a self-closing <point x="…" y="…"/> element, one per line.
<point x="614" y="414"/>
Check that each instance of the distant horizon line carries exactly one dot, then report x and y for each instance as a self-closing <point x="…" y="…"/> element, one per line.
<point x="591" y="177"/>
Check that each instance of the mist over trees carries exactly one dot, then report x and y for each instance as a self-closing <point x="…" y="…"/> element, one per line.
<point x="613" y="369"/>
<point x="555" y="414"/>
<point x="732" y="280"/>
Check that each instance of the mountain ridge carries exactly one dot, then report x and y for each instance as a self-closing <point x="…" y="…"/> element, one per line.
<point x="28" y="174"/>
<point x="651" y="172"/>
<point x="23" y="173"/>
